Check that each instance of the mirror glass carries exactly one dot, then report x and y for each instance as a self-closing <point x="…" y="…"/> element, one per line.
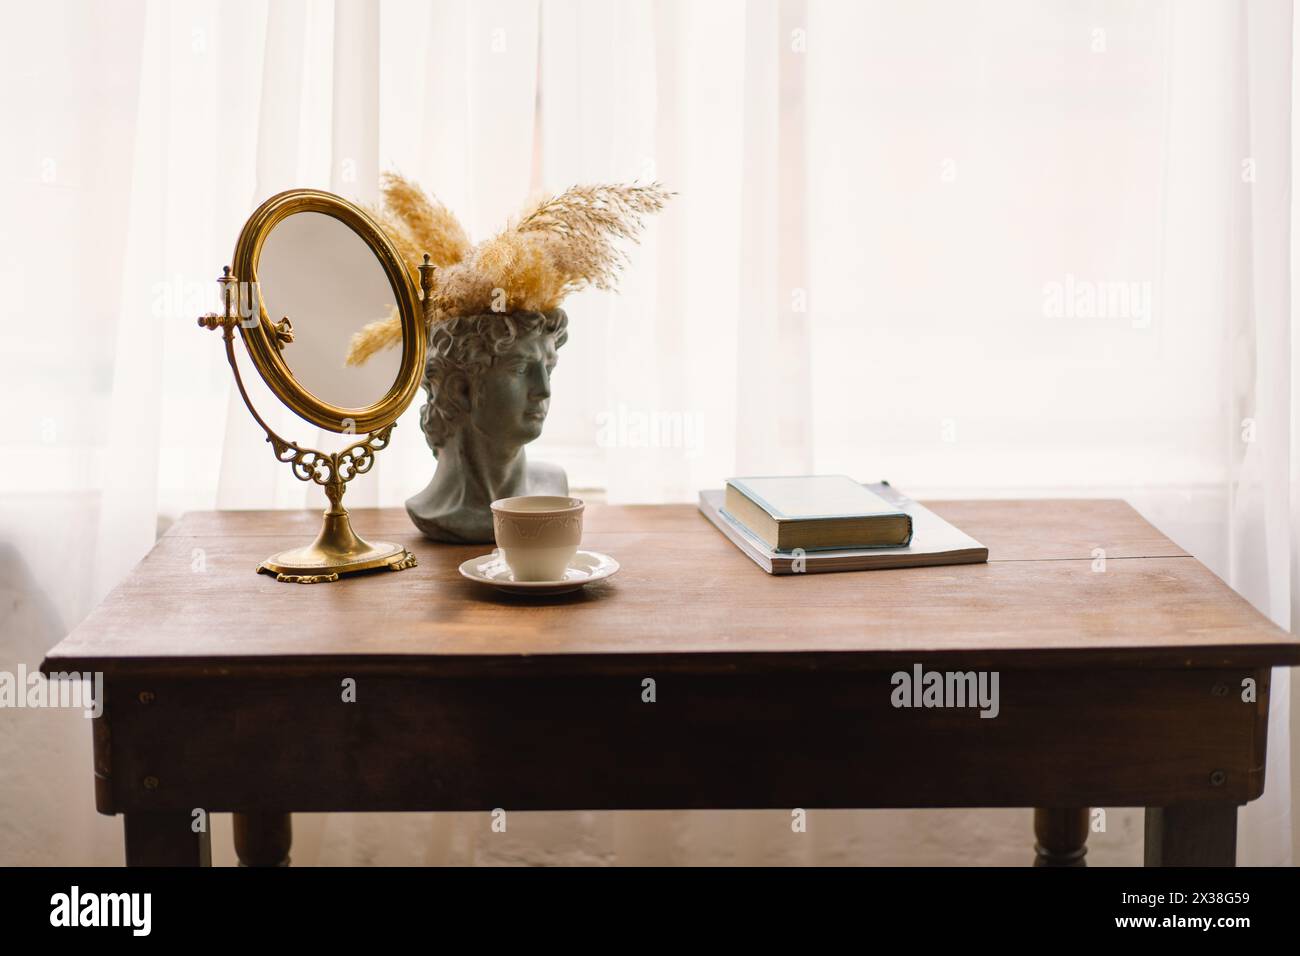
<point x="314" y="269"/>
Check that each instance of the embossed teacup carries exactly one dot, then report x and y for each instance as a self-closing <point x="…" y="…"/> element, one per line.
<point x="538" y="535"/>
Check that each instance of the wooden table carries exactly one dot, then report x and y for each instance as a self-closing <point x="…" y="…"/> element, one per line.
<point x="1120" y="684"/>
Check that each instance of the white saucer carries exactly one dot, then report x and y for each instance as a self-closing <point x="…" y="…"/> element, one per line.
<point x="586" y="566"/>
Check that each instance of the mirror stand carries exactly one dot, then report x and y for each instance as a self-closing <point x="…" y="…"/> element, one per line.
<point x="337" y="550"/>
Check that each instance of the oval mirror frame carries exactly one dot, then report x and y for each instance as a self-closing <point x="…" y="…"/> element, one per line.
<point x="260" y="338"/>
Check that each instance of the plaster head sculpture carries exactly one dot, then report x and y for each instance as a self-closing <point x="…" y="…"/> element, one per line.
<point x="495" y="328"/>
<point x="488" y="382"/>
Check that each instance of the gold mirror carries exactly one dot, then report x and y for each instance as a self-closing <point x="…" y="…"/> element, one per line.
<point x="310" y="270"/>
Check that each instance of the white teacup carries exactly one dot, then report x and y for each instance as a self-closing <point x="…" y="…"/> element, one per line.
<point x="538" y="535"/>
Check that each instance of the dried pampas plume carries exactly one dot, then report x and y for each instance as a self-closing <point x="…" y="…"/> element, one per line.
<point x="559" y="245"/>
<point x="375" y="337"/>
<point x="420" y="224"/>
<point x="581" y="224"/>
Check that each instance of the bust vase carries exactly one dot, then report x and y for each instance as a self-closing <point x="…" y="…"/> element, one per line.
<point x="488" y="382"/>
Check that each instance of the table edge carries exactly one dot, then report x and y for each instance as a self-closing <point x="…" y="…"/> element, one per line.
<point x="641" y="663"/>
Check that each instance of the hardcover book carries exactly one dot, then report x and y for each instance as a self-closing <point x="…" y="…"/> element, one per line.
<point x="816" y="513"/>
<point x="934" y="542"/>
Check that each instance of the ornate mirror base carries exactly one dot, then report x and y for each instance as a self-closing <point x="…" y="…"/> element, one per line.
<point x="335" y="552"/>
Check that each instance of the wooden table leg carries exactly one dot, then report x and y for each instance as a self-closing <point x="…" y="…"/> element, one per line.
<point x="1193" y="834"/>
<point x="1061" y="836"/>
<point x="263" y="839"/>
<point x="165" y="839"/>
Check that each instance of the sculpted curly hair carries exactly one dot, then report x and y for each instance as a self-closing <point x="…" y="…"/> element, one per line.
<point x="461" y="349"/>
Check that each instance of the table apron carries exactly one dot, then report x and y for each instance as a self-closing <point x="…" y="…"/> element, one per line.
<point x="1138" y="737"/>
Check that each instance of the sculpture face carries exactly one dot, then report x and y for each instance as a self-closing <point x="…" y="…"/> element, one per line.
<point x="511" y="397"/>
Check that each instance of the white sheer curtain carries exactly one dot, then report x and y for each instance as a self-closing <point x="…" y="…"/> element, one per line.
<point x="890" y="218"/>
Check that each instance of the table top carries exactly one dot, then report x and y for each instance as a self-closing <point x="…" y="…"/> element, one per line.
<point x="685" y="599"/>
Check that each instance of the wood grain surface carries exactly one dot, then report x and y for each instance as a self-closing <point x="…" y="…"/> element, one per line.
<point x="685" y="599"/>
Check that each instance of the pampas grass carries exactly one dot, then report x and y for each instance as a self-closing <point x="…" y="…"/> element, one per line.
<point x="558" y="246"/>
<point x="581" y="224"/>
<point x="421" y="225"/>
<point x="375" y="337"/>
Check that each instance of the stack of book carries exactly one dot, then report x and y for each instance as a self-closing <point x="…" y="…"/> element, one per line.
<point x="814" y="523"/>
